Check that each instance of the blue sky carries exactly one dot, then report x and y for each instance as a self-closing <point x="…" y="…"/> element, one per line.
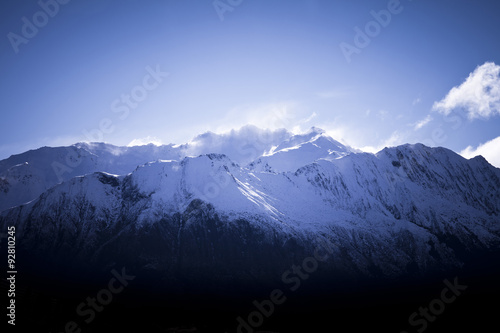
<point x="164" y="71"/>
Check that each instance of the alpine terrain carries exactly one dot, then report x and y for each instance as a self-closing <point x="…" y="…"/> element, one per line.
<point x="212" y="225"/>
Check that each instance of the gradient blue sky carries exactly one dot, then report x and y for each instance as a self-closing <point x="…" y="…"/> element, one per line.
<point x="268" y="62"/>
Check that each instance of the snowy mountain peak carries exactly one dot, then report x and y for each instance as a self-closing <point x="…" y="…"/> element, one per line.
<point x="316" y="130"/>
<point x="300" y="150"/>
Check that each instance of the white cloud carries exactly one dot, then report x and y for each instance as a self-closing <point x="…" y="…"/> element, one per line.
<point x="416" y="101"/>
<point x="338" y="132"/>
<point x="422" y="122"/>
<point x="145" y="141"/>
<point x="397" y="138"/>
<point x="242" y="145"/>
<point x="271" y="116"/>
<point x="490" y="150"/>
<point x="478" y="95"/>
<point x="311" y="117"/>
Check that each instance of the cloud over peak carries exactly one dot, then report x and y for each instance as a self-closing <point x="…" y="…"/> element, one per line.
<point x="145" y="141"/>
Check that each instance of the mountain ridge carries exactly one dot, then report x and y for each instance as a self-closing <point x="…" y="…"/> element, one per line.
<point x="48" y="166"/>
<point x="209" y="234"/>
<point x="441" y="205"/>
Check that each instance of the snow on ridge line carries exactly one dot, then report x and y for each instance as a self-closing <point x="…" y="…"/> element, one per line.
<point x="364" y="183"/>
<point x="49" y="166"/>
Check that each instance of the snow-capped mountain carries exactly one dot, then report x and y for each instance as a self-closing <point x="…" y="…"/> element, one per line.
<point x="300" y="150"/>
<point x="405" y="211"/>
<point x="25" y="176"/>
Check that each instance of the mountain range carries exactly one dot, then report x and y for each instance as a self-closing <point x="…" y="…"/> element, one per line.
<point x="231" y="212"/>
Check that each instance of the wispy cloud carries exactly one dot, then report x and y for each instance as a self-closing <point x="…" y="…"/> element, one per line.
<point x="490" y="150"/>
<point x="311" y="117"/>
<point x="145" y="141"/>
<point x="478" y="95"/>
<point x="272" y="115"/>
<point x="338" y="132"/>
<point x="397" y="138"/>
<point x="422" y="122"/>
<point x="303" y="124"/>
